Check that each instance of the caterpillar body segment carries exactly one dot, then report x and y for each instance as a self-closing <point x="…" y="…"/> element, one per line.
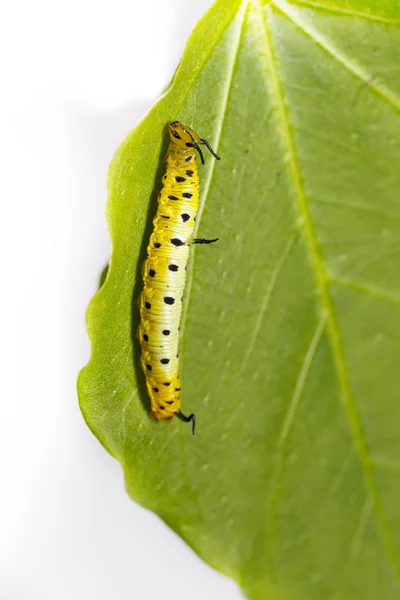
<point x="164" y="273"/>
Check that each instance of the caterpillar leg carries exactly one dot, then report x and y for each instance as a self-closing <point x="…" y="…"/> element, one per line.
<point x="186" y="419"/>
<point x="203" y="241"/>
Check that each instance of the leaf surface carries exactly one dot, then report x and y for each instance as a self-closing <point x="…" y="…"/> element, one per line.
<point x="291" y="325"/>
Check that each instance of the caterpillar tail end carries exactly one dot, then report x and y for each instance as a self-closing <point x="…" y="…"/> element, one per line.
<point x="186" y="419"/>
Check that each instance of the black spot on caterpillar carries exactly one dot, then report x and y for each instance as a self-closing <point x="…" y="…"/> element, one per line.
<point x="177" y="202"/>
<point x="177" y="242"/>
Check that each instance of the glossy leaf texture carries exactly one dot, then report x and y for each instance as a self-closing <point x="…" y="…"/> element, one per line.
<point x="291" y="327"/>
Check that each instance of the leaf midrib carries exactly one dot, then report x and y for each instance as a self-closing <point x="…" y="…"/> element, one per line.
<point x="322" y="282"/>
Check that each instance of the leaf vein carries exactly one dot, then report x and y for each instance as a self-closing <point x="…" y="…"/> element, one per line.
<point x="366" y="289"/>
<point x="304" y="371"/>
<point x="266" y="299"/>
<point x="356" y="206"/>
<point x="386" y="465"/>
<point x="355" y="69"/>
<point x="207" y="182"/>
<point x="289" y="420"/>
<point x="346" y="12"/>
<point x="310" y="237"/>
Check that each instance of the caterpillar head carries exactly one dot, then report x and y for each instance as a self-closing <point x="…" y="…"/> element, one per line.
<point x="184" y="138"/>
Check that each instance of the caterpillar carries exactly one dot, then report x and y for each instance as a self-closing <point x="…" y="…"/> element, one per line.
<point x="164" y="272"/>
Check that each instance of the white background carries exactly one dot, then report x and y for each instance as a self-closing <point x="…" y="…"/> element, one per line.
<point x="76" y="76"/>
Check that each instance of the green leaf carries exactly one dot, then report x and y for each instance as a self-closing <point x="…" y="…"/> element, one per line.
<point x="291" y="326"/>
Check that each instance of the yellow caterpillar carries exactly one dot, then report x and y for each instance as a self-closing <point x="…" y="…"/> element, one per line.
<point x="164" y="272"/>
